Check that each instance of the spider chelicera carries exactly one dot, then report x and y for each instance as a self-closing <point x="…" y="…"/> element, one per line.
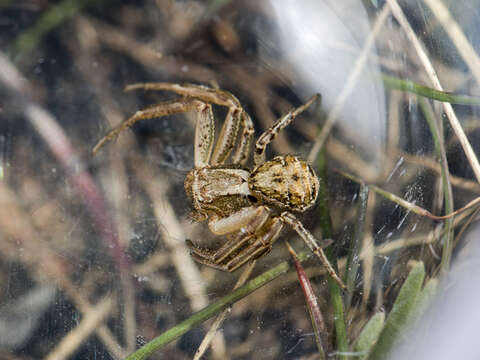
<point x="249" y="207"/>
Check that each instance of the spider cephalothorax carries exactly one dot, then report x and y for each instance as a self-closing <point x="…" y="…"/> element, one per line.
<point x="249" y="207"/>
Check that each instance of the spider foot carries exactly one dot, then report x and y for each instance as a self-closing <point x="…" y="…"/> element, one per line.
<point x="204" y="256"/>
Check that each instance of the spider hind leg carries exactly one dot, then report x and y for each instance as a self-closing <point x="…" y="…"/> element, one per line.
<point x="254" y="249"/>
<point x="240" y="248"/>
<point x="313" y="244"/>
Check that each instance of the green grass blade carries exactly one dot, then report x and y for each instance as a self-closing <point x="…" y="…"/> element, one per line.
<point x="424" y="299"/>
<point x="395" y="83"/>
<point x="213" y="309"/>
<point x="334" y="288"/>
<point x="446" y="184"/>
<point x="369" y="335"/>
<point x="401" y="312"/>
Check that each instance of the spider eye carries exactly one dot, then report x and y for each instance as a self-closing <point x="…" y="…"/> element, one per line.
<point x="252" y="199"/>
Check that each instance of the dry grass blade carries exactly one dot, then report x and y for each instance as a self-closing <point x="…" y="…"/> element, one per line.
<point x="454" y="122"/>
<point x="54" y="136"/>
<point x="349" y="86"/>
<point x="43" y="261"/>
<point x="207" y="340"/>
<point x="457" y="36"/>
<point x="60" y="229"/>
<point x="173" y="235"/>
<point x="87" y="326"/>
<point x="410" y="206"/>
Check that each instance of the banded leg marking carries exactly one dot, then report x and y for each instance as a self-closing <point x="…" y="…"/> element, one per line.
<point x="312" y="243"/>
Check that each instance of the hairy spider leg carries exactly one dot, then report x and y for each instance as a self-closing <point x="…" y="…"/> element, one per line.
<point x="204" y="136"/>
<point x="252" y="246"/>
<point x="260" y="246"/>
<point x="236" y="241"/>
<point x="243" y="150"/>
<point x="236" y="116"/>
<point x="243" y="223"/>
<point x="241" y="219"/>
<point x="270" y="134"/>
<point x="227" y="137"/>
<point x="162" y="109"/>
<point x="312" y="244"/>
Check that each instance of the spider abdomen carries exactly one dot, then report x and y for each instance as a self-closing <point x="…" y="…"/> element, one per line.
<point x="285" y="181"/>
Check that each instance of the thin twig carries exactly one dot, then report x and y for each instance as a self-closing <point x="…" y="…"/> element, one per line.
<point x="429" y="163"/>
<point x="122" y="42"/>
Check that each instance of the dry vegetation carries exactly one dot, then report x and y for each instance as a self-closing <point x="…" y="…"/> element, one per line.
<point x="93" y="262"/>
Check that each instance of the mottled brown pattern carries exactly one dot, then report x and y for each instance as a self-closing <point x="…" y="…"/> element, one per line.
<point x="287" y="182"/>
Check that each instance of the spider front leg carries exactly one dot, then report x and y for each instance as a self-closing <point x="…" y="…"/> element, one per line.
<point x="312" y="243"/>
<point x="235" y="118"/>
<point x="243" y="149"/>
<point x="204" y="131"/>
<point x="268" y="136"/>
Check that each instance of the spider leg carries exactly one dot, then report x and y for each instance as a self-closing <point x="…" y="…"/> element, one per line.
<point x="241" y="248"/>
<point x="254" y="253"/>
<point x="204" y="130"/>
<point x="261" y="245"/>
<point x="209" y="258"/>
<point x="243" y="149"/>
<point x="228" y="135"/>
<point x="204" y="135"/>
<point x="247" y="220"/>
<point x="244" y="222"/>
<point x="204" y="93"/>
<point x="237" y="240"/>
<point x="228" y="249"/>
<point x="203" y="256"/>
<point x="312" y="243"/>
<point x="255" y="250"/>
<point x="240" y="225"/>
<point x="236" y="116"/>
<point x="268" y="136"/>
